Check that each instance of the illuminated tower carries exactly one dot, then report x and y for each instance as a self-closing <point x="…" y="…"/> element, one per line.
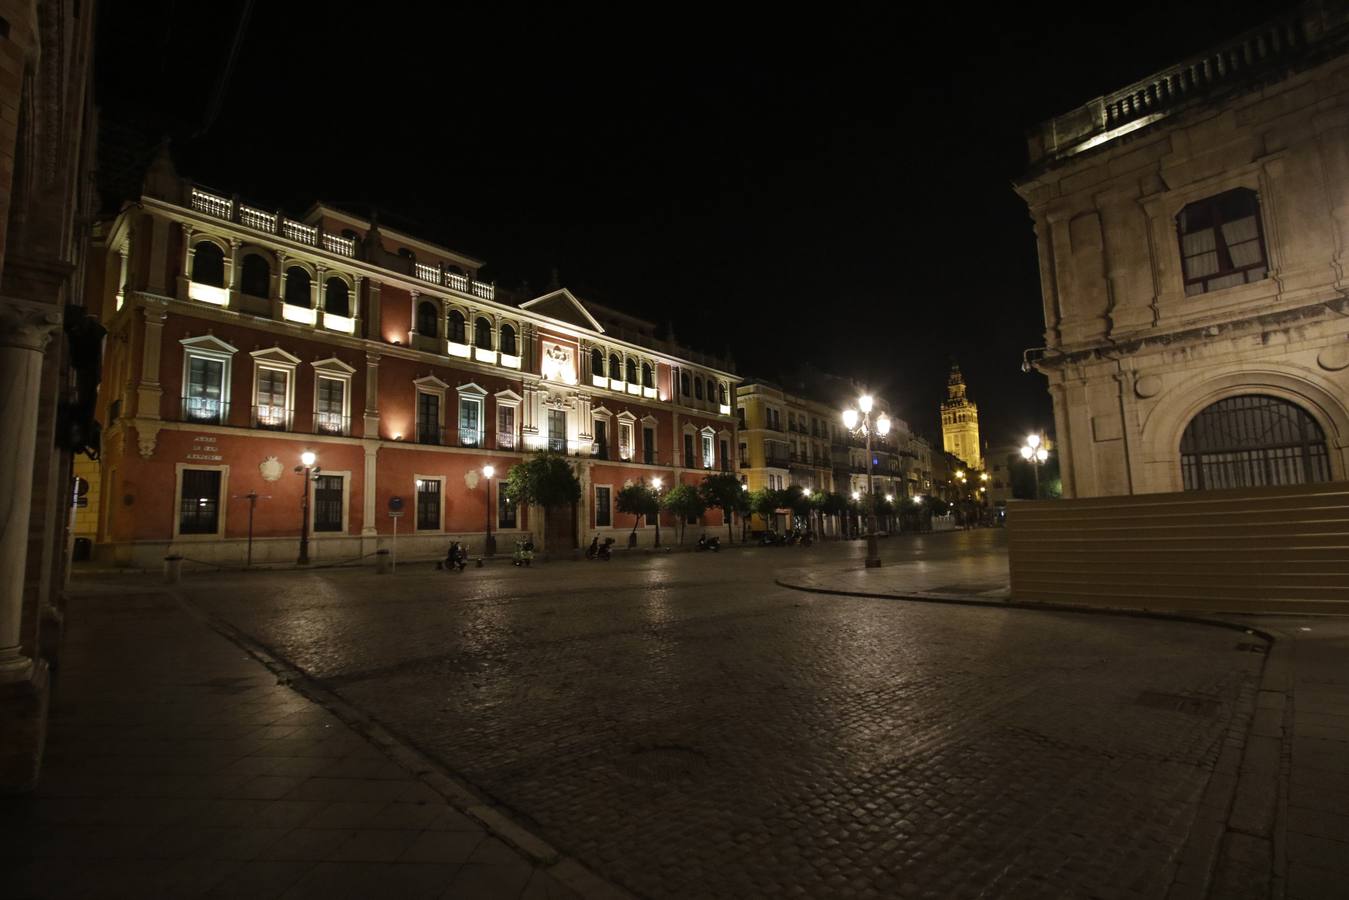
<point x="960" y="422"/>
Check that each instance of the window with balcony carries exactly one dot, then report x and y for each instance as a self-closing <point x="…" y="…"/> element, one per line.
<point x="625" y="442"/>
<point x="205" y="397"/>
<point x="597" y="363"/>
<point x="330" y="405"/>
<point x="208" y="264"/>
<point x="470" y="421"/>
<point x="631" y="372"/>
<point x="508" y="344"/>
<point x="649" y="446"/>
<point x="689" y="461"/>
<point x="427" y="319"/>
<point x="428" y="417"/>
<point x="255" y="276"/>
<point x="684" y="383"/>
<point x="482" y="334"/>
<point x="337" y="298"/>
<point x="602" y="440"/>
<point x="711" y="390"/>
<point x="1222" y="242"/>
<point x="505" y="427"/>
<point x="648" y="376"/>
<point x="615" y="367"/>
<point x="271" y="399"/>
<point x="557" y="430"/>
<point x="709" y="458"/>
<point x="698" y="388"/>
<point x="456" y="327"/>
<point x="725" y="456"/>
<point x="297" y="287"/>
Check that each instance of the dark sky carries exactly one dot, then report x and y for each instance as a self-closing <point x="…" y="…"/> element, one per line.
<point x="806" y="184"/>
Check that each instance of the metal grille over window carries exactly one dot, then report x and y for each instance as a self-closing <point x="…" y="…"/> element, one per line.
<point x="1251" y="441"/>
<point x="328" y="503"/>
<point x="557" y="431"/>
<point x="199" y="507"/>
<point x="428" y="505"/>
<point x="603" y="516"/>
<point x="1221" y="242"/>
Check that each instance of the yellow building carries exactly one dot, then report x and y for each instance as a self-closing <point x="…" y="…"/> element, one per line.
<point x="785" y="439"/>
<point x="960" y="422"/>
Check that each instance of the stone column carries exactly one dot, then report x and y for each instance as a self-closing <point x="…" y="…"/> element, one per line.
<point x="371" y="395"/>
<point x="316" y="295"/>
<point x="412" y="321"/>
<point x="123" y="252"/>
<point x="25" y="330"/>
<point x="279" y="295"/>
<point x="369" y="510"/>
<point x="355" y="309"/>
<point x="185" y="276"/>
<point x="232" y="275"/>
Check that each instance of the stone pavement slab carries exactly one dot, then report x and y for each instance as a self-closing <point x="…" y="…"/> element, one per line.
<point x="177" y="766"/>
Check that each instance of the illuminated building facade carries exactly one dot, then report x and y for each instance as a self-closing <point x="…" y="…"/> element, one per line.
<point x="960" y="422"/>
<point x="240" y="338"/>
<point x="1193" y="233"/>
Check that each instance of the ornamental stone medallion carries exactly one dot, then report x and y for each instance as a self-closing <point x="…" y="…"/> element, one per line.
<point x="1334" y="358"/>
<point x="471" y="479"/>
<point x="271" y="469"/>
<point x="1148" y="386"/>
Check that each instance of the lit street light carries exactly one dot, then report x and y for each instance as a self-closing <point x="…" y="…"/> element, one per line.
<point x="1034" y="452"/>
<point x="859" y="423"/>
<point x="656" y="483"/>
<point x="310" y="472"/>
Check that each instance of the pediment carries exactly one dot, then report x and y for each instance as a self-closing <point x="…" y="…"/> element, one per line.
<point x="563" y="306"/>
<point x="209" y="343"/>
<point x="333" y="365"/>
<point x="275" y="355"/>
<point x="472" y="388"/>
<point x="508" y="396"/>
<point x="431" y="383"/>
<point x="600" y="411"/>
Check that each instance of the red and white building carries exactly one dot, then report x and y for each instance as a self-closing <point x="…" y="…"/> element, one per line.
<point x="239" y="339"/>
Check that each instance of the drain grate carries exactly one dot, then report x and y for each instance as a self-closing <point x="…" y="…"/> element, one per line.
<point x="1252" y="647"/>
<point x="669" y="763"/>
<point x="1190" y="706"/>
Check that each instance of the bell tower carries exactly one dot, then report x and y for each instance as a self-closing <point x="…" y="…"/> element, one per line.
<point x="960" y="422"/>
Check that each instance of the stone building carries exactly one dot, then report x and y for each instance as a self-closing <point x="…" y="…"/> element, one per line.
<point x="1193" y="233"/>
<point x="48" y="348"/>
<point x="241" y="339"/>
<point x="960" y="422"/>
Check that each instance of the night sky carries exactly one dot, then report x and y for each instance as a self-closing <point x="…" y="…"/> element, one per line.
<point x="781" y="186"/>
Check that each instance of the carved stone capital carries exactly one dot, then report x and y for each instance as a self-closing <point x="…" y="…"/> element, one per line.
<point x="147" y="437"/>
<point x="27" y="325"/>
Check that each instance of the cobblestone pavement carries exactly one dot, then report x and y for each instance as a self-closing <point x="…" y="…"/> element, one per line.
<point x="688" y="729"/>
<point x="177" y="766"/>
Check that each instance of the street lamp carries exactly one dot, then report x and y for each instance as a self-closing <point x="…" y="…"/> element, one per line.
<point x="490" y="544"/>
<point x="1033" y="451"/>
<point x="858" y="421"/>
<point x="310" y="472"/>
<point x="656" y="483"/>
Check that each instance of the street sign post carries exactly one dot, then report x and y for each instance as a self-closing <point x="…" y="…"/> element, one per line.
<point x="395" y="513"/>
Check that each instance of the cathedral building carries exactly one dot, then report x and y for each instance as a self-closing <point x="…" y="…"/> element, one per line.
<point x="960" y="422"/>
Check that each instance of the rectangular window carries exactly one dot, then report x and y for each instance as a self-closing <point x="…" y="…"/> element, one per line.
<point x="603" y="513"/>
<point x="744" y="455"/>
<point x="470" y="422"/>
<point x="328" y="503"/>
<point x="199" y="504"/>
<point x="505" y="427"/>
<point x="725" y="457"/>
<point x="557" y="430"/>
<point x="649" y="446"/>
<point x="625" y="448"/>
<point x="740" y="413"/>
<point x="428" y="418"/>
<point x="708" y="452"/>
<point x="205" y="400"/>
<point x="651" y="518"/>
<point x="1221" y="242"/>
<point x="689" y="461"/>
<point x="428" y="504"/>
<point x="271" y="410"/>
<point x="330" y="412"/>
<point x="505" y="509"/>
<point x="602" y="440"/>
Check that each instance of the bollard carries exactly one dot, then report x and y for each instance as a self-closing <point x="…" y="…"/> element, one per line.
<point x="382" y="562"/>
<point x="479" y="562"/>
<point x="173" y="569"/>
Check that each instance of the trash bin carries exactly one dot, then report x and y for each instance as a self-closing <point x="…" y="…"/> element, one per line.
<point x="382" y="562"/>
<point x="173" y="569"/>
<point x="84" y="550"/>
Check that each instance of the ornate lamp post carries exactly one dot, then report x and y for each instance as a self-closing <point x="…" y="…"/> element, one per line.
<point x="858" y="421"/>
<point x="490" y="545"/>
<point x="310" y="472"/>
<point x="1034" y="452"/>
<point x="656" y="483"/>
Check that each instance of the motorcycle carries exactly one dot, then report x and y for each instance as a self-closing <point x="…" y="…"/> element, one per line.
<point x="524" y="553"/>
<point x="772" y="539"/>
<point x="706" y="543"/>
<point x="456" y="559"/>
<point x="596" y="550"/>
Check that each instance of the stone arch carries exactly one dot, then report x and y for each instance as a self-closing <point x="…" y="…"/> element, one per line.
<point x="1165" y="426"/>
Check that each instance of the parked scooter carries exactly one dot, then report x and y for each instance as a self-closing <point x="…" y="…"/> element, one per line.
<point x="706" y="543"/>
<point x="456" y="559"/>
<point x="772" y="539"/>
<point x="596" y="550"/>
<point x="524" y="553"/>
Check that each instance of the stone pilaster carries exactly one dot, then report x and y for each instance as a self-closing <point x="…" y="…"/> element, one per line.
<point x="371" y="395"/>
<point x="355" y="309"/>
<point x="374" y="327"/>
<point x="186" y="261"/>
<point x="279" y="294"/>
<point x="232" y="275"/>
<point x="368" y="508"/>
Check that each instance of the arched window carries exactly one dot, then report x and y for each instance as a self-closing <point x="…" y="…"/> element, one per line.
<point x="255" y="277"/>
<point x="1252" y="440"/>
<point x="336" y="298"/>
<point x="508" y="341"/>
<point x="457" y="323"/>
<point x="615" y="372"/>
<point x="631" y="372"/>
<point x="698" y="388"/>
<point x="208" y="265"/>
<point x="297" y="287"/>
<point x="597" y="362"/>
<point x="684" y="383"/>
<point x="711" y="389"/>
<point x="721" y="395"/>
<point x="482" y="334"/>
<point x="648" y="378"/>
<point x="426" y="318"/>
<point x="1221" y="241"/>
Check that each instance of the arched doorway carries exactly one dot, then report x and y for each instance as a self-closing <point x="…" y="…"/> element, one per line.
<point x="1252" y="440"/>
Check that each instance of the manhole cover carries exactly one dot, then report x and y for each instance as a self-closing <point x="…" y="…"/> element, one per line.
<point x="662" y="763"/>
<point x="1251" y="647"/>
<point x="1190" y="706"/>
